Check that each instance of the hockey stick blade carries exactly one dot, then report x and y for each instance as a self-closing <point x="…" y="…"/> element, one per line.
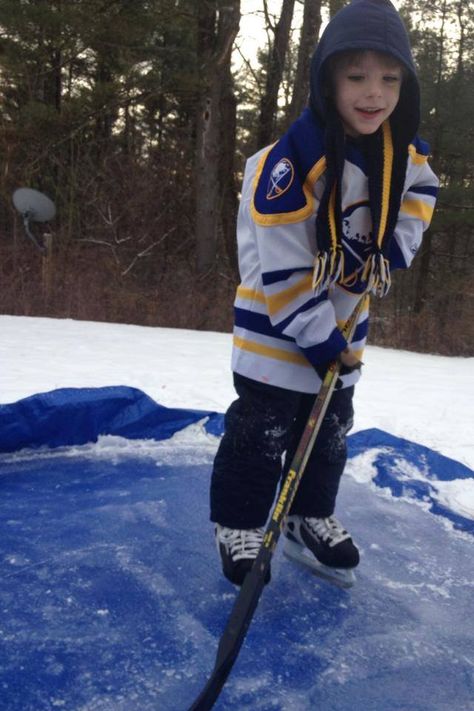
<point x="235" y="632"/>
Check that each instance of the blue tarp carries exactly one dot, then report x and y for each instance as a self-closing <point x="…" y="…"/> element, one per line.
<point x="80" y="415"/>
<point x="112" y="599"/>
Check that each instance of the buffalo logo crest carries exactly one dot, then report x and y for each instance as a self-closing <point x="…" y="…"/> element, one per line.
<point x="280" y="179"/>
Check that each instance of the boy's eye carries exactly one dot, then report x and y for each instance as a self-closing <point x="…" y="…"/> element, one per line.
<point x="391" y="78"/>
<point x="355" y="77"/>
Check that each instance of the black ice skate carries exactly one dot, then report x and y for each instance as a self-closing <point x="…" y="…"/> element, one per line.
<point x="238" y="549"/>
<point x="323" y="545"/>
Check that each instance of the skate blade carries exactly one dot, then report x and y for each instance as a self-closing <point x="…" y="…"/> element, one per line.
<point x="342" y="577"/>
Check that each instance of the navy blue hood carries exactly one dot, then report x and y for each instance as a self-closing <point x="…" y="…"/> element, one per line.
<point x="368" y="25"/>
<point x="372" y="25"/>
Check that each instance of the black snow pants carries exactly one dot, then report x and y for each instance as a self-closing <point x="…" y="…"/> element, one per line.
<point x="263" y="424"/>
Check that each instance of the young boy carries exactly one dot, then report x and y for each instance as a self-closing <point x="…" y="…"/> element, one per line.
<point x="326" y="213"/>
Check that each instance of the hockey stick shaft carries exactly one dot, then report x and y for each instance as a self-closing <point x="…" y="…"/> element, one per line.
<point x="250" y="592"/>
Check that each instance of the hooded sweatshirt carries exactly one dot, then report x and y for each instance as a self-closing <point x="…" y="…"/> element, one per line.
<point x="288" y="313"/>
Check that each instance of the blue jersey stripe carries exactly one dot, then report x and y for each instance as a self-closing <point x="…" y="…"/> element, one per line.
<point x="281" y="275"/>
<point x="361" y="331"/>
<point x="257" y="323"/>
<point x="431" y="190"/>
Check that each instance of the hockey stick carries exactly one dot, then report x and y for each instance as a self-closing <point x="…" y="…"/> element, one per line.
<point x="249" y="595"/>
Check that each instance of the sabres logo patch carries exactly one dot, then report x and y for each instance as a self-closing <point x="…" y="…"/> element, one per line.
<point x="280" y="179"/>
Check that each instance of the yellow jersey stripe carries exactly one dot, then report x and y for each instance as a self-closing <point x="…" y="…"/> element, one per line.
<point x="271" y="352"/>
<point x="244" y="292"/>
<point x="417" y="208"/>
<point x="276" y="302"/>
<point x="278" y="353"/>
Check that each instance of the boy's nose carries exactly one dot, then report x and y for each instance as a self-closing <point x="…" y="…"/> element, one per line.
<point x="374" y="88"/>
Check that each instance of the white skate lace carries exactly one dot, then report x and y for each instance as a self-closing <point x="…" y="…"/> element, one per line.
<point x="243" y="543"/>
<point x="328" y="529"/>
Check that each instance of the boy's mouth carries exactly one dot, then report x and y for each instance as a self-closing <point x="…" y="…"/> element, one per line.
<point x="369" y="112"/>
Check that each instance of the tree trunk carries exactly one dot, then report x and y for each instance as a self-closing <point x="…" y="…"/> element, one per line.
<point x="308" y="39"/>
<point x="218" y="24"/>
<point x="423" y="273"/>
<point x="422" y="287"/>
<point x="276" y="63"/>
<point x="229" y="193"/>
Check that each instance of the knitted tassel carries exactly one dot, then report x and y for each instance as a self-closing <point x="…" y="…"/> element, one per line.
<point x="337" y="263"/>
<point x="320" y="273"/>
<point x="377" y="274"/>
<point x="327" y="269"/>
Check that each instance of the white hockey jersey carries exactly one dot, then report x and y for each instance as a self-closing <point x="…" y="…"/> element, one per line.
<point x="281" y="329"/>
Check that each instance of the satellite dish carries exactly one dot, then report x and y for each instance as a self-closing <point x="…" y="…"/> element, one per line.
<point x="34" y="205"/>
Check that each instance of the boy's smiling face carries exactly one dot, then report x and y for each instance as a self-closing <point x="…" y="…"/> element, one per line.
<point x="366" y="89"/>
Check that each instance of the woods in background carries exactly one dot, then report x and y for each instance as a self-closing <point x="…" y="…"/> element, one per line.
<point x="136" y="117"/>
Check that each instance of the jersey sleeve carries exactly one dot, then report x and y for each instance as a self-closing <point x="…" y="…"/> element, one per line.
<point x="417" y="206"/>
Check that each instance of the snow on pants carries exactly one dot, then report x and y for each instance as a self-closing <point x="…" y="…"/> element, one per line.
<point x="260" y="426"/>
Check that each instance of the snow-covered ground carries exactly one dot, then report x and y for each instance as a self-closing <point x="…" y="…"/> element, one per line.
<point x="427" y="399"/>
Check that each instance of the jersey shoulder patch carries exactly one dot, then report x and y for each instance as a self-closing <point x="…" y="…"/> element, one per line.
<point x="283" y="188"/>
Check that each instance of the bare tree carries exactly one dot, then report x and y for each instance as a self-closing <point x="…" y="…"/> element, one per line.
<point x="308" y="38"/>
<point x="274" y="70"/>
<point x="427" y="250"/>
<point x="218" y="24"/>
